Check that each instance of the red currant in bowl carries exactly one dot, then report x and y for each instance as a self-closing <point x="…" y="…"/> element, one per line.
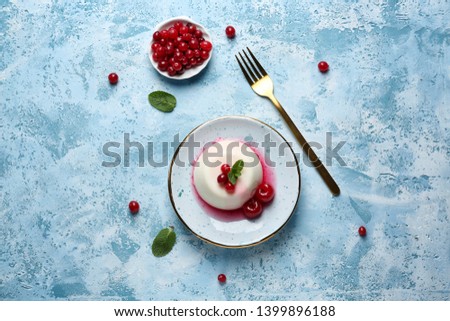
<point x="180" y="35"/>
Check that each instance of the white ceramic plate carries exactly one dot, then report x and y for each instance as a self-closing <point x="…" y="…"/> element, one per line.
<point x="190" y="72"/>
<point x="234" y="231"/>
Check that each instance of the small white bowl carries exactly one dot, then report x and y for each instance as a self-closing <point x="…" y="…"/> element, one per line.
<point x="190" y="72"/>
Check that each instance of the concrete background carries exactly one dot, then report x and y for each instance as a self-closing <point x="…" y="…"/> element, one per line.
<point x="65" y="231"/>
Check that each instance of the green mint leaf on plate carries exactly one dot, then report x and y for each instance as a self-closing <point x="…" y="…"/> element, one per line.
<point x="164" y="242"/>
<point x="236" y="171"/>
<point x="162" y="101"/>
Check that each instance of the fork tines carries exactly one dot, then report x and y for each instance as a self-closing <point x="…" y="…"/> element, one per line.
<point x="252" y="73"/>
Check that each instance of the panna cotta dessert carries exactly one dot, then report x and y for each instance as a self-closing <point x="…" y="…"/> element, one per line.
<point x="229" y="175"/>
<point x="218" y="160"/>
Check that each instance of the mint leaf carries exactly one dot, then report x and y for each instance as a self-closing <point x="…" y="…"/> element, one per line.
<point x="162" y="101"/>
<point x="236" y="171"/>
<point x="164" y="242"/>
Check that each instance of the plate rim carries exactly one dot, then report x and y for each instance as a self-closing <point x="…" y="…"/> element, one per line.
<point x="172" y="201"/>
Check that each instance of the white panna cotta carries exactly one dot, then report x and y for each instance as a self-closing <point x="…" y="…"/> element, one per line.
<point x="208" y="168"/>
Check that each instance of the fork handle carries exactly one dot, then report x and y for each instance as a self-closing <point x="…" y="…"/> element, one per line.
<point x="315" y="161"/>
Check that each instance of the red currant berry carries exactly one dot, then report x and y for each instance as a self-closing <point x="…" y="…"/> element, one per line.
<point x="157" y="36"/>
<point x="186" y="37"/>
<point x="183" y="46"/>
<point x="222" y="179"/>
<point x="183" y="30"/>
<point x="206" y="45"/>
<point x="163" y="64"/>
<point x="252" y="209"/>
<point x="188" y="66"/>
<point x="184" y="61"/>
<point x="163" y="42"/>
<point x="362" y="231"/>
<point x="197" y="53"/>
<point x="180" y="72"/>
<point x="171" y="61"/>
<point x="169" y="49"/>
<point x="230" y="31"/>
<point x="155" y="46"/>
<point x="161" y="51"/>
<point x="189" y="53"/>
<point x="192" y="28"/>
<point x="178" y="56"/>
<point x="173" y="33"/>
<point x="177" y="66"/>
<point x="230" y="187"/>
<point x="171" y="71"/>
<point x="134" y="207"/>
<point x="156" y="57"/>
<point x="178" y="25"/>
<point x="193" y="43"/>
<point x="265" y="193"/>
<point x="177" y="41"/>
<point x="222" y="278"/>
<point x="204" y="55"/>
<point x="225" y="168"/>
<point x="113" y="78"/>
<point x="323" y="66"/>
<point x="164" y="34"/>
<point x="193" y="61"/>
<point x="198" y="33"/>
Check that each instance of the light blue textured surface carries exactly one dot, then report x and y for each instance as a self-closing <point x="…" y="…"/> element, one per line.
<point x="65" y="231"/>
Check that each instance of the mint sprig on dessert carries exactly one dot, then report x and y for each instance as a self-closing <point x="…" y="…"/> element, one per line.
<point x="236" y="171"/>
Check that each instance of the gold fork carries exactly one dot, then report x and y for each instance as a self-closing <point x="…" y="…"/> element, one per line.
<point x="261" y="84"/>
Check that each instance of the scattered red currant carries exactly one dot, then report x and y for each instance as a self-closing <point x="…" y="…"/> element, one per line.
<point x="230" y="187"/>
<point x="222" y="179"/>
<point x="222" y="278"/>
<point x="134" y="207"/>
<point x="225" y="168"/>
<point x="230" y="31"/>
<point x="252" y="209"/>
<point x="323" y="66"/>
<point x="265" y="193"/>
<point x="362" y="231"/>
<point x="113" y="78"/>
